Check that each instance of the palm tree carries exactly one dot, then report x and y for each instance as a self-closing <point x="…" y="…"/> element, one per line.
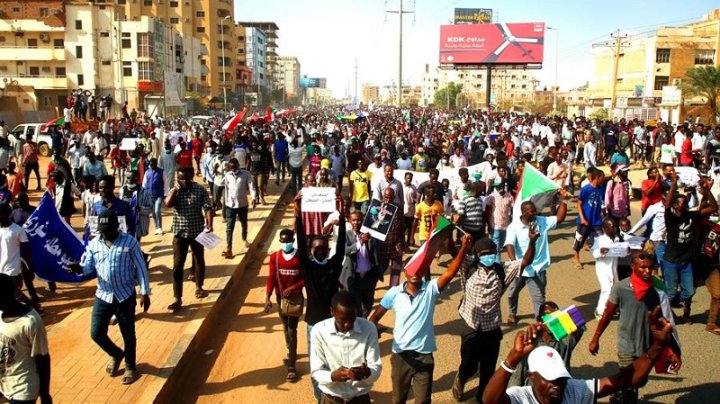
<point x="704" y="81"/>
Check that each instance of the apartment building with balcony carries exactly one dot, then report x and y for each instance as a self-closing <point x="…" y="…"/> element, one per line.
<point x="288" y="75"/>
<point x="256" y="56"/>
<point x="270" y="30"/>
<point x="211" y="22"/>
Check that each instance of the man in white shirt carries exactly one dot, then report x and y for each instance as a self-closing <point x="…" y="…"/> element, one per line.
<point x="13" y="247"/>
<point x="345" y="356"/>
<point x="238" y="187"/>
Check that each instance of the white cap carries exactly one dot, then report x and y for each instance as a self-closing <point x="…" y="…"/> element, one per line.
<point x="548" y="363"/>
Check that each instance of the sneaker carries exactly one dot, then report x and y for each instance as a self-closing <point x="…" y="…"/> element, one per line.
<point x="158" y="232"/>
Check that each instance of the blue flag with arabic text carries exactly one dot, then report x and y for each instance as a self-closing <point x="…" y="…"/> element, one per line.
<point x="54" y="245"/>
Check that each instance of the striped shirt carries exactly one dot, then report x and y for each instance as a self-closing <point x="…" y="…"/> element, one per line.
<point x="119" y="267"/>
<point x="471" y="209"/>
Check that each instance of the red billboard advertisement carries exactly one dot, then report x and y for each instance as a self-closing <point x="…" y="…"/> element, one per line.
<point x="519" y="43"/>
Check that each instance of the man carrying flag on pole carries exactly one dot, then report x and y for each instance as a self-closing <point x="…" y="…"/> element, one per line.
<point x="414" y="304"/>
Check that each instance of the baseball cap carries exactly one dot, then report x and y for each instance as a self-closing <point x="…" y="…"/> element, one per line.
<point x="621" y="167"/>
<point x="548" y="363"/>
<point x="107" y="220"/>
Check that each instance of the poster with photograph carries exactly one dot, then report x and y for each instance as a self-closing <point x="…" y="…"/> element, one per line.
<point x="378" y="219"/>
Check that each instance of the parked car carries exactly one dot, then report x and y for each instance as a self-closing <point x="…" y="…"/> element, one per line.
<point x="43" y="140"/>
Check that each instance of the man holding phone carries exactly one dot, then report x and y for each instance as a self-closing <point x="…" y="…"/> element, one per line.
<point x="119" y="263"/>
<point x="345" y="375"/>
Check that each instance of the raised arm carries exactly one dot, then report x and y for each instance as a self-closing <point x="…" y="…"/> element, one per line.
<point x="455" y="265"/>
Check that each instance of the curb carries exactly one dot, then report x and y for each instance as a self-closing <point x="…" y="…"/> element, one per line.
<point x="178" y="364"/>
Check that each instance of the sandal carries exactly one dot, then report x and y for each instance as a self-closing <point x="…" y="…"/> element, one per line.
<point x="292" y="375"/>
<point x="715" y="330"/>
<point x="457" y="389"/>
<point x="200" y="293"/>
<point x="130" y="376"/>
<point x="579" y="266"/>
<point x="113" y="366"/>
<point x="511" y="320"/>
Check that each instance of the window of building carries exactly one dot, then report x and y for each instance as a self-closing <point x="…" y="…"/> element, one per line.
<point x="148" y="2"/>
<point x="524" y="86"/>
<point x="16" y="9"/>
<point x="32" y="43"/>
<point x="661" y="81"/>
<point x="145" y="71"/>
<point x="704" y="56"/>
<point x="203" y="62"/>
<point x="34" y="71"/>
<point x="127" y="69"/>
<point x="121" y="2"/>
<point x="126" y="43"/>
<point x="200" y="30"/>
<point x="145" y="44"/>
<point x="105" y="34"/>
<point x="78" y="24"/>
<point x="60" y="72"/>
<point x="106" y="63"/>
<point x="43" y="12"/>
<point x="174" y="20"/>
<point x="78" y="52"/>
<point x="58" y="43"/>
<point x="241" y="38"/>
<point x="241" y="50"/>
<point x="200" y="14"/>
<point x="173" y="4"/>
<point x="227" y="61"/>
<point x="203" y="78"/>
<point x="662" y="55"/>
<point x="80" y="80"/>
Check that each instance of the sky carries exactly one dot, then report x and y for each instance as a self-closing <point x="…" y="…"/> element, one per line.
<point x="329" y="36"/>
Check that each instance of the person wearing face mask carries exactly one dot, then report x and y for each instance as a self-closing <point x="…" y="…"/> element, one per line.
<point x="484" y="281"/>
<point x="285" y="279"/>
<point x="140" y="201"/>
<point x="320" y="273"/>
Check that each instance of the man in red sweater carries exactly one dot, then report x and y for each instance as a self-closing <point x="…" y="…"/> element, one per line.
<point x="184" y="156"/>
<point x="285" y="279"/>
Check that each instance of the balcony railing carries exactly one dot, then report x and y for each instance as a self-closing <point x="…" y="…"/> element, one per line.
<point x="23" y="53"/>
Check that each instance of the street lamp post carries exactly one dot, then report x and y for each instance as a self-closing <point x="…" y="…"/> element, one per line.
<point x="557" y="51"/>
<point x="222" y="55"/>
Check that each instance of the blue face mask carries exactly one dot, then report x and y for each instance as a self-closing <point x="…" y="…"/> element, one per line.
<point x="287" y="247"/>
<point x="487" y="260"/>
<point x="323" y="262"/>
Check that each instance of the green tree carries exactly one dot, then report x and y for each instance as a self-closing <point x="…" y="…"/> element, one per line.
<point x="704" y="81"/>
<point x="601" y="114"/>
<point x="446" y="97"/>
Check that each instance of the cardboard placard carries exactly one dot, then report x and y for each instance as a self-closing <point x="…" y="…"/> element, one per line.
<point x="318" y="199"/>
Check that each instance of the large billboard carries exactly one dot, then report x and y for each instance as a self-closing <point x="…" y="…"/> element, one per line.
<point x="310" y="82"/>
<point x="512" y="43"/>
<point x="473" y="15"/>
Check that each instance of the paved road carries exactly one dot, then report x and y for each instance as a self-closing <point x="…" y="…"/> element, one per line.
<point x="242" y="362"/>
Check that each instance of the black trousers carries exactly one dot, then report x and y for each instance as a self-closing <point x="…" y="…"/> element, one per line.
<point x="478" y="353"/>
<point x="363" y="287"/>
<point x="180" y="251"/>
<point x="412" y="369"/>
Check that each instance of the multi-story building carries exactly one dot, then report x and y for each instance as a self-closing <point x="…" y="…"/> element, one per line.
<point x="57" y="47"/>
<point x="411" y="95"/>
<point x="270" y="30"/>
<point x="319" y="96"/>
<point x="210" y="21"/>
<point x="288" y="75"/>
<point x="649" y="63"/>
<point x="370" y="93"/>
<point x="256" y="55"/>
<point x="515" y="86"/>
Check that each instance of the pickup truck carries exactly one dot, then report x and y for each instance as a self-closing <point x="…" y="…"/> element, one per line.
<point x="41" y="138"/>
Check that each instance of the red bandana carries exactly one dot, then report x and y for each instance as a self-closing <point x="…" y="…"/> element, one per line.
<point x="640" y="286"/>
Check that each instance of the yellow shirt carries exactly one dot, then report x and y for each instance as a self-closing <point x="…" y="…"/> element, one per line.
<point x="427" y="215"/>
<point x="360" y="182"/>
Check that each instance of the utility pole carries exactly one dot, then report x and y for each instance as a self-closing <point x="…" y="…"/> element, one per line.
<point x="400" y="12"/>
<point x="355" y="72"/>
<point x="616" y="66"/>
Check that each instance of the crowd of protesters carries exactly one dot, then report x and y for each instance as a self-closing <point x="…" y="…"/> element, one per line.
<point x="119" y="173"/>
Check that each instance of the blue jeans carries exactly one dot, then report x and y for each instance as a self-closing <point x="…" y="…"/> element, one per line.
<point x="498" y="238"/>
<point x="660" y="252"/>
<point x="157" y="211"/>
<point x="100" y="320"/>
<point x="315" y="385"/>
<point x="536" y="285"/>
<point x="678" y="273"/>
